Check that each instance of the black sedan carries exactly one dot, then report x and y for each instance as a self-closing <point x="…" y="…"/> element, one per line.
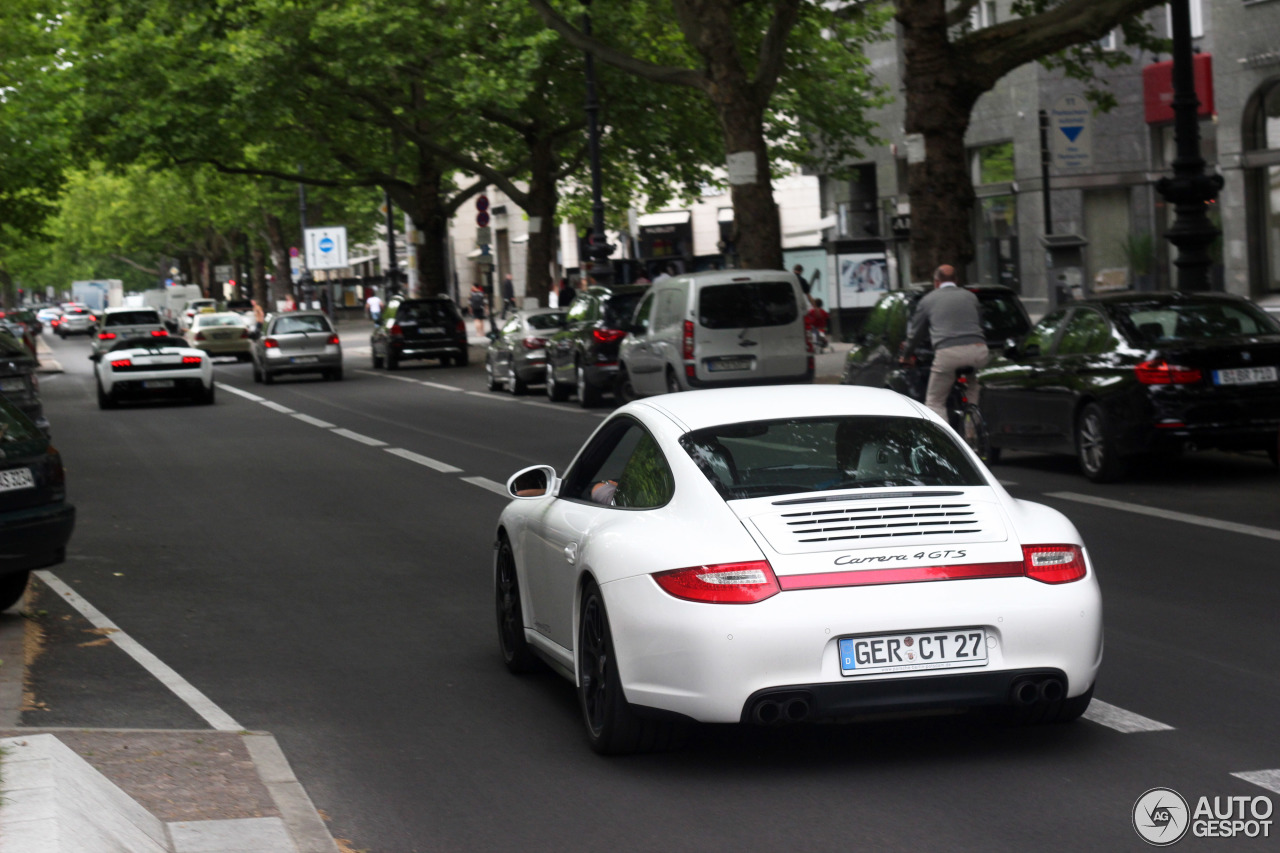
<point x="1108" y="378"/>
<point x="517" y="357"/>
<point x="430" y="327"/>
<point x="35" y="519"/>
<point x="583" y="357"/>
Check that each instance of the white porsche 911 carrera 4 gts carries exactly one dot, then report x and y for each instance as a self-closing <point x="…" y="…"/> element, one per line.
<point x="152" y="367"/>
<point x="788" y="554"/>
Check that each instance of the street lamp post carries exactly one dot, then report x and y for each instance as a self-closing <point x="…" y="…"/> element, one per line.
<point x="598" y="249"/>
<point x="1190" y="189"/>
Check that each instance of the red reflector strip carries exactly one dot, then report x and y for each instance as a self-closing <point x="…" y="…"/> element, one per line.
<point x="916" y="574"/>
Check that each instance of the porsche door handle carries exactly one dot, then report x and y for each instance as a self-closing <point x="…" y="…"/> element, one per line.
<point x="571" y="552"/>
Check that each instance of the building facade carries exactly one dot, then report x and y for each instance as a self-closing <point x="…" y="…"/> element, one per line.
<point x="1106" y="221"/>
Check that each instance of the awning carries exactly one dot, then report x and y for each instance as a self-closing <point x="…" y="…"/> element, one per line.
<point x="668" y="217"/>
<point x="725" y="214"/>
<point x="523" y="238"/>
<point x="363" y="259"/>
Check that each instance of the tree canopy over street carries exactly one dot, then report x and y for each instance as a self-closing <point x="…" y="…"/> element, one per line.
<point x="202" y="117"/>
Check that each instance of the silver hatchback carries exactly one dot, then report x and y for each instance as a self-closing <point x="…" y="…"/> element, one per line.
<point x="296" y="342"/>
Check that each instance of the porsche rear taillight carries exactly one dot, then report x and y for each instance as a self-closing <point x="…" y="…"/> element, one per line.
<point x="722" y="583"/>
<point x="1053" y="563"/>
<point x="1163" y="373"/>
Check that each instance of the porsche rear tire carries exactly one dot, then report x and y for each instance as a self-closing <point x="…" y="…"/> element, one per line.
<point x="613" y="725"/>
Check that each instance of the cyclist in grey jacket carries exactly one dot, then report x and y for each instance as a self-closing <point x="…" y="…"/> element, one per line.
<point x="952" y="316"/>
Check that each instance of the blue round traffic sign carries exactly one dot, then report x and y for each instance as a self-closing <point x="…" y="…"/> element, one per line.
<point x="326" y="245"/>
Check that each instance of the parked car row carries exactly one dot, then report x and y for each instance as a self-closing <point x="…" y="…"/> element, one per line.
<point x="704" y="330"/>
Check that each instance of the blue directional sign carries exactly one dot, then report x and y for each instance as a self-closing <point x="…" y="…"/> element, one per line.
<point x="1072" y="138"/>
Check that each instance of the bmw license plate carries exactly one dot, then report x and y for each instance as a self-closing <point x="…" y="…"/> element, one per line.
<point x="305" y="359"/>
<point x="158" y="383"/>
<point x="431" y="330"/>
<point x="15" y="383"/>
<point x="908" y="652"/>
<point x="16" y="478"/>
<point x="1244" y="376"/>
<point x="716" y="365"/>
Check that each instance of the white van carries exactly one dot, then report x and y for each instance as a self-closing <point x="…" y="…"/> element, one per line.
<point x="714" y="330"/>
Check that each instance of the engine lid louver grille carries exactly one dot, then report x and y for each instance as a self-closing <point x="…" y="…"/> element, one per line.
<point x="879" y="523"/>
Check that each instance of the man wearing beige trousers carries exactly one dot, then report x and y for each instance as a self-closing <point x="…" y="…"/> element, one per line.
<point x="952" y="316"/>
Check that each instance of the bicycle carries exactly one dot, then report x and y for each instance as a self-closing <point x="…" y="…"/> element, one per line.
<point x="966" y="419"/>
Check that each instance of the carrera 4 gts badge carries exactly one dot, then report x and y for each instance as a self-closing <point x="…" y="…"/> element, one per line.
<point x="851" y="560"/>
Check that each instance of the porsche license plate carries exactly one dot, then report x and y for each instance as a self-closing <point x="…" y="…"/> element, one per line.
<point x="908" y="652"/>
<point x="158" y="383"/>
<point x="16" y="478"/>
<point x="1244" y="376"/>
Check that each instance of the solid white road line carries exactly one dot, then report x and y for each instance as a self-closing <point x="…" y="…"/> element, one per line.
<point x="1121" y="720"/>
<point x="276" y="407"/>
<point x="442" y="467"/>
<point x="439" y="385"/>
<point x="234" y="390"/>
<point x="363" y="439"/>
<point x="201" y="704"/>
<point x="307" y="419"/>
<point x="486" y="483"/>
<point x="1269" y="779"/>
<point x="1170" y="515"/>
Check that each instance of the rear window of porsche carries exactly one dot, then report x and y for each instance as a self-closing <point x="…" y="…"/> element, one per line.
<point x="781" y="457"/>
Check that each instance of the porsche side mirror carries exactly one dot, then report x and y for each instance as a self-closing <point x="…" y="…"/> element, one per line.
<point x="535" y="482"/>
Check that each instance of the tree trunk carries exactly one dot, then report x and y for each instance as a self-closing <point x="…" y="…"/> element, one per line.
<point x="541" y="208"/>
<point x="757" y="228"/>
<point x="261" y="290"/>
<point x="283" y="284"/>
<point x="939" y="100"/>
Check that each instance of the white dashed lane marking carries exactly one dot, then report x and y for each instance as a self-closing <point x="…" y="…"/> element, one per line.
<point x="1269" y="779"/>
<point x="307" y="419"/>
<point x="1169" y="515"/>
<point x="363" y="439"/>
<point x="1121" y="720"/>
<point x="486" y="483"/>
<point x="426" y="461"/>
<point x="276" y="407"/>
<point x="239" y="392"/>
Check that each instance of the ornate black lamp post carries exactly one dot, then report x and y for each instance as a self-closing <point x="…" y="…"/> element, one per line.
<point x="1190" y="189"/>
<point x="598" y="250"/>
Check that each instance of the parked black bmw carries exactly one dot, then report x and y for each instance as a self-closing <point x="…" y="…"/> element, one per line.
<point x="582" y="358"/>
<point x="1115" y="376"/>
<point x="35" y="519"/>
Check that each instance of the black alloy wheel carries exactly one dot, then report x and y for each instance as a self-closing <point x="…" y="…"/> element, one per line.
<point x="588" y="394"/>
<point x="515" y="384"/>
<point x="623" y="389"/>
<point x="1096" y="445"/>
<point x="612" y="725"/>
<point x="516" y="653"/>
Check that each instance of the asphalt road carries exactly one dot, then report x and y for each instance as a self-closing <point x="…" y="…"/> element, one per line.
<point x="318" y="563"/>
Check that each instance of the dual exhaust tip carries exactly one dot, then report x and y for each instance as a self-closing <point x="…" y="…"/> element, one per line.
<point x="1038" y="691"/>
<point x="779" y="710"/>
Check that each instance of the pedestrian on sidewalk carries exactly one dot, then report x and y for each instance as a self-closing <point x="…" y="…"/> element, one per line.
<point x="373" y="307"/>
<point x="508" y="295"/>
<point x="476" y="303"/>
